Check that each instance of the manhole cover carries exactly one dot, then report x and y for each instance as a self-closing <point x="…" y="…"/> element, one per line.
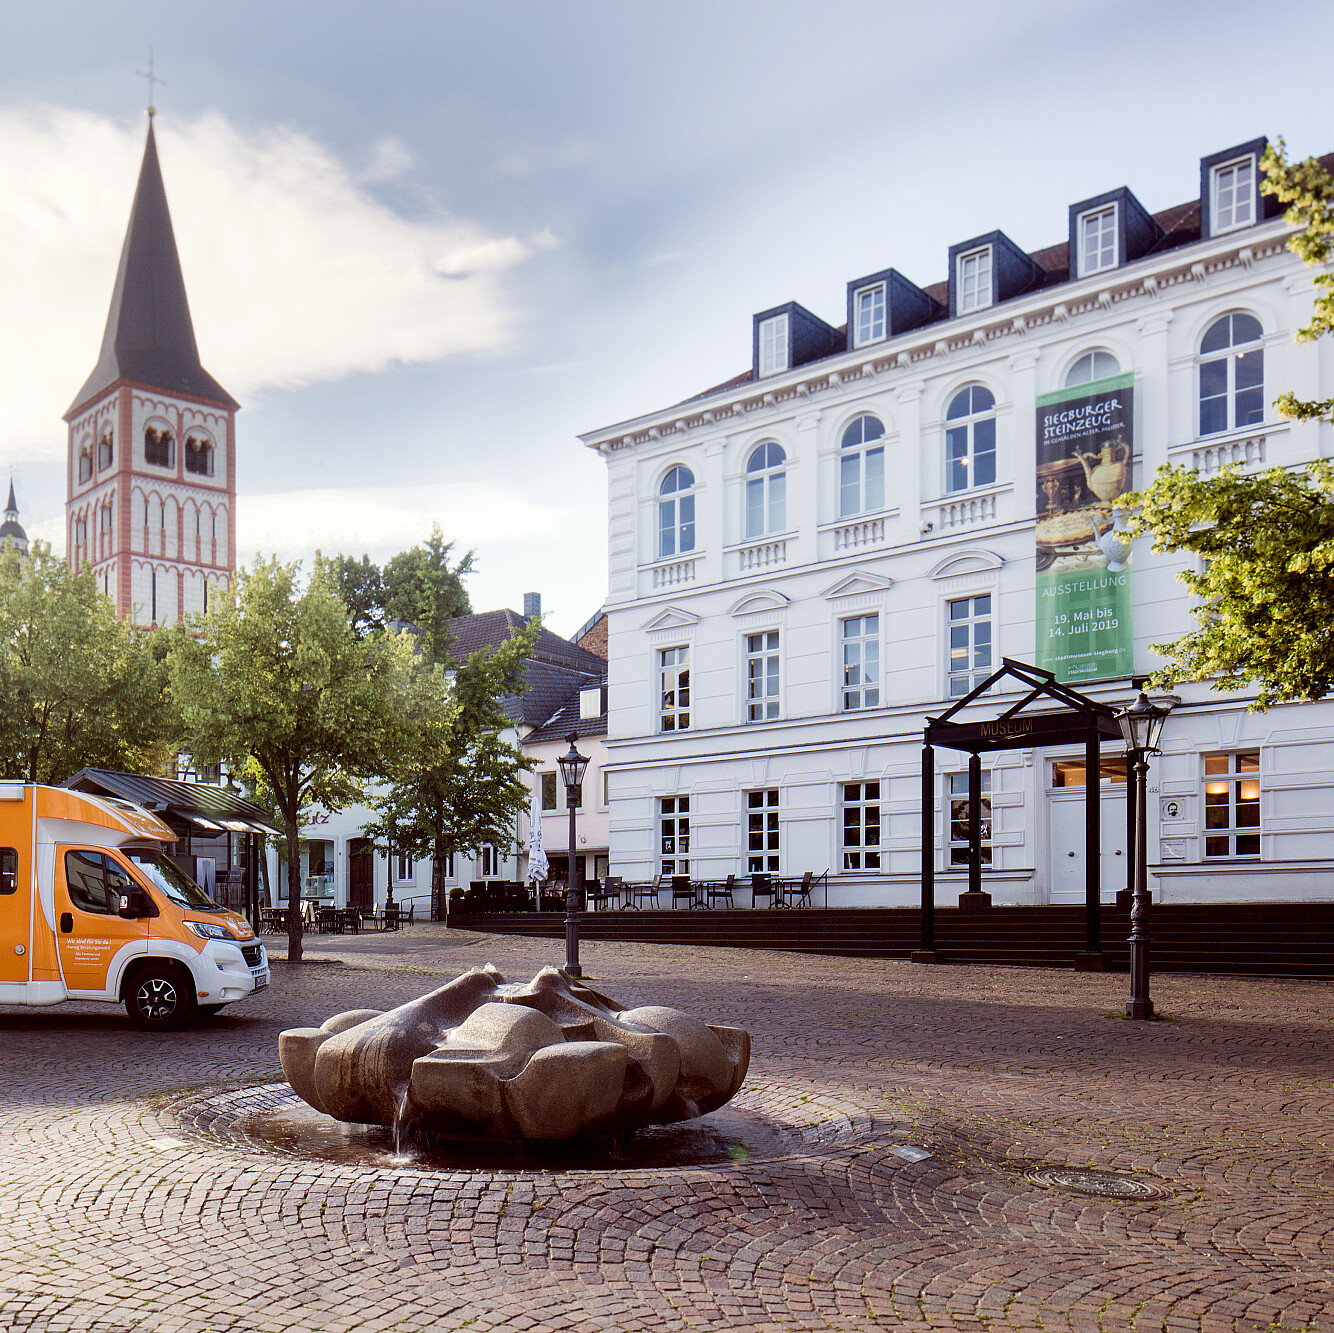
<point x="1099" y="1184"/>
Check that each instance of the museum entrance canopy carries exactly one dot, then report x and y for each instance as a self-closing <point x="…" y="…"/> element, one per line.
<point x="1061" y="716"/>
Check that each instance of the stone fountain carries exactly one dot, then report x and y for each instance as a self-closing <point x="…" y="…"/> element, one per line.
<point x="547" y="1059"/>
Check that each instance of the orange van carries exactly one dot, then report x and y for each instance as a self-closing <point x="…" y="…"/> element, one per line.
<point x="92" y="909"/>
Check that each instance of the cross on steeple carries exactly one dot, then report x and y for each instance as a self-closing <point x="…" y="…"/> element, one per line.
<point x="152" y="79"/>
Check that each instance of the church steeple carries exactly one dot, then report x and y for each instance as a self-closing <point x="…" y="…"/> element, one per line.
<point x="11" y="529"/>
<point x="150" y="338"/>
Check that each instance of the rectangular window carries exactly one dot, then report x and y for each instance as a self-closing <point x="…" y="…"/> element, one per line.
<point x="958" y="797"/>
<point x="403" y="869"/>
<point x="674" y="835"/>
<point x="578" y="796"/>
<point x="861" y="826"/>
<point x="674" y="679"/>
<point x="606" y="788"/>
<point x="773" y="345"/>
<point x="869" y="306"/>
<point x="762" y="676"/>
<point x="861" y="474"/>
<point x="1074" y="772"/>
<point x="9" y="870"/>
<point x="1232" y="804"/>
<point x="762" y="830"/>
<point x="1234" y="195"/>
<point x="970" y="632"/>
<point x="548" y="791"/>
<point x="861" y="662"/>
<point x="490" y="861"/>
<point x="447" y="866"/>
<point x="1097" y="240"/>
<point x="974" y="281"/>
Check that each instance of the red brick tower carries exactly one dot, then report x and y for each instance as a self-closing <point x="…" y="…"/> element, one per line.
<point x="152" y="437"/>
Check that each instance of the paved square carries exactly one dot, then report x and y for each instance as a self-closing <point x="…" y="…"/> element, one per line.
<point x="114" y="1217"/>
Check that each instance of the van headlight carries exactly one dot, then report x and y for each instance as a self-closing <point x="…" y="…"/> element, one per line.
<point x="209" y="931"/>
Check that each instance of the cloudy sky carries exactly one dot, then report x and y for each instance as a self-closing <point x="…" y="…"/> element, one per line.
<point x="428" y="242"/>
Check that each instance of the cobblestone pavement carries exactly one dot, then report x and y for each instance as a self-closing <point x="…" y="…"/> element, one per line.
<point x="113" y="1217"/>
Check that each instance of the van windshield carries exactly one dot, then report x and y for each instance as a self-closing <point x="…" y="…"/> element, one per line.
<point x="171" y="879"/>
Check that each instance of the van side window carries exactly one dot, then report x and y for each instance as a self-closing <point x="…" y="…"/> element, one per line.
<point x="9" y="870"/>
<point x="95" y="882"/>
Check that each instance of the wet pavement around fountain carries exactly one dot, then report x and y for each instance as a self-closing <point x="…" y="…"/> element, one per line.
<point x="164" y="1182"/>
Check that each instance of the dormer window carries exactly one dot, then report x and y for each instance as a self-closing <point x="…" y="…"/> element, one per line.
<point x="869" y="313"/>
<point x="974" y="280"/>
<point x="773" y="345"/>
<point x="1233" y="197"/>
<point x="1097" y="240"/>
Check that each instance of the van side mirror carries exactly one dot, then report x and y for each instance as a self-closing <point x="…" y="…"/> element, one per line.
<point x="135" y="903"/>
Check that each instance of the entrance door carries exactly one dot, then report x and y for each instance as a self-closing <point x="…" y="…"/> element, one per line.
<point x="1067" y="845"/>
<point x="15" y="894"/>
<point x="88" y="925"/>
<point x="360" y="873"/>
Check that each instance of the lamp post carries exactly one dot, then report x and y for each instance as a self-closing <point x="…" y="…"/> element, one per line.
<point x="1141" y="725"/>
<point x="572" y="767"/>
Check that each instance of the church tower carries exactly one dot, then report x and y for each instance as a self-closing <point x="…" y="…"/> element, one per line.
<point x="152" y="438"/>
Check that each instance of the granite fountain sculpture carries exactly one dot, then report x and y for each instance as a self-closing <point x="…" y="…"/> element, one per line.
<point x="548" y="1059"/>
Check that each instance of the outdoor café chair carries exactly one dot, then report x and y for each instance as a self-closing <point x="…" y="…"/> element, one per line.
<point x="684" y="891"/>
<point x="720" y="891"/>
<point x="638" y="893"/>
<point x="798" y="893"/>
<point x="762" y="886"/>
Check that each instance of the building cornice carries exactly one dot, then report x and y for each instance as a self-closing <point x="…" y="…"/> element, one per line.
<point x="1144" y="280"/>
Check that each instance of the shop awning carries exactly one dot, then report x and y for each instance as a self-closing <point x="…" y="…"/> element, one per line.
<point x="197" y="808"/>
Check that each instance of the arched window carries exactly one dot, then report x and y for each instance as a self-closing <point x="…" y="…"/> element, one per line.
<point x="86" y="461"/>
<point x="1095" y="365"/>
<point x="861" y="467"/>
<point x="766" y="490"/>
<point x="159" y="446"/>
<point x="1232" y="374"/>
<point x="199" y="455"/>
<point x="970" y="439"/>
<point x="676" y="512"/>
<point x="106" y="449"/>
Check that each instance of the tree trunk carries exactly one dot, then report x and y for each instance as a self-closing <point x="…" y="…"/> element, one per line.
<point x="438" y="879"/>
<point x="294" y="922"/>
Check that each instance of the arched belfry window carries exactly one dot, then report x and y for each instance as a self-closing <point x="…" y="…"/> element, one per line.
<point x="766" y="489"/>
<point x="1095" y="365"/>
<point x="159" y="445"/>
<point x="199" y="455"/>
<point x="106" y="449"/>
<point x="1232" y="374"/>
<point x="970" y="439"/>
<point x="676" y="512"/>
<point x="861" y="467"/>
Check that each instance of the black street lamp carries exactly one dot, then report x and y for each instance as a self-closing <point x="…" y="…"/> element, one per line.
<point x="1141" y="725"/>
<point x="572" y="768"/>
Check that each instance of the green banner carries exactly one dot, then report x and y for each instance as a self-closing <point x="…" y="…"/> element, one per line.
<point x="1085" y="448"/>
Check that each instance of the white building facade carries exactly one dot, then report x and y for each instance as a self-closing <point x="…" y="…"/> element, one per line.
<point x="811" y="559"/>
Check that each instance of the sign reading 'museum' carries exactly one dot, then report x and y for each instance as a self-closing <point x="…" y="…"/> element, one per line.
<point x="1085" y="448"/>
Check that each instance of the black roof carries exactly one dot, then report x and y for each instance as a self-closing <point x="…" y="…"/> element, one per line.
<point x="566" y="719"/>
<point x="149" y="337"/>
<point x="489" y="629"/>
<point x="176" y="803"/>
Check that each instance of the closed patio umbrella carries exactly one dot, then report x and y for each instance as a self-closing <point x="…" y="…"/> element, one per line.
<point x="538" y="869"/>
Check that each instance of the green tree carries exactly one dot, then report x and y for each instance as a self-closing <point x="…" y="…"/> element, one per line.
<point x="418" y="586"/>
<point x="275" y="682"/>
<point x="76" y="685"/>
<point x="1266" y="587"/>
<point x="1308" y="191"/>
<point x="459" y="787"/>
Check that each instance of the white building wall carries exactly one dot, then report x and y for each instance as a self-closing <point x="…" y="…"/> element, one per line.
<point x="924" y="548"/>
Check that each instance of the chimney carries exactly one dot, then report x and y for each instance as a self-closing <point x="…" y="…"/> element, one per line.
<point x="532" y="605"/>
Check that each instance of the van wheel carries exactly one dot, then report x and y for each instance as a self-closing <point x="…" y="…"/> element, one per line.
<point x="156" y="1000"/>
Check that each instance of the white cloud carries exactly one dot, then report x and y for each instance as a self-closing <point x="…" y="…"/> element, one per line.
<point x="296" y="273"/>
<point x="383" y="520"/>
